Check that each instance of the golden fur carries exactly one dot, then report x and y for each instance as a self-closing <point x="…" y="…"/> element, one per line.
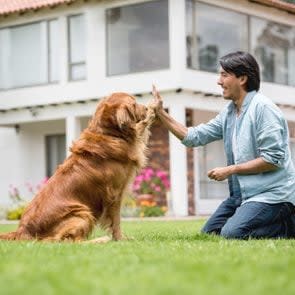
<point x="88" y="187"/>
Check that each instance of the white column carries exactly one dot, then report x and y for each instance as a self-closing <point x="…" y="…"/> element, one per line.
<point x="96" y="49"/>
<point x="178" y="167"/>
<point x="177" y="36"/>
<point x="197" y="184"/>
<point x="73" y="130"/>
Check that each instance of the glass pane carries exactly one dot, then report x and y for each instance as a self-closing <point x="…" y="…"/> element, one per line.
<point x="77" y="39"/>
<point x="28" y="55"/>
<point x="205" y="43"/>
<point x="273" y="45"/>
<point x="138" y="37"/>
<point x="211" y="156"/>
<point x="54" y="51"/>
<point x="55" y="152"/>
<point x="3" y="59"/>
<point x="78" y="72"/>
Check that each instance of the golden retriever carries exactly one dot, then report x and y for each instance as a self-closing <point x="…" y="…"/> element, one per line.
<point x="88" y="188"/>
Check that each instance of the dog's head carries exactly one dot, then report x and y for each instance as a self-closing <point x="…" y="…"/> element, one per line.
<point x="117" y="115"/>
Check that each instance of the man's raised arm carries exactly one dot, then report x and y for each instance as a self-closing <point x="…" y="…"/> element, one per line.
<point x="172" y="125"/>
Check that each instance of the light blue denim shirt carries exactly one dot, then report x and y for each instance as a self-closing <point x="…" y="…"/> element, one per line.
<point x="261" y="131"/>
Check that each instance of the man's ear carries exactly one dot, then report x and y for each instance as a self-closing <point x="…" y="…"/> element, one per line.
<point x="243" y="80"/>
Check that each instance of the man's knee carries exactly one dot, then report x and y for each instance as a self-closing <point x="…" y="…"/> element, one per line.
<point x="229" y="232"/>
<point x="209" y="229"/>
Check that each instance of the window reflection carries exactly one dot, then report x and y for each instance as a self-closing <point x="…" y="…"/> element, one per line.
<point x="273" y="45"/>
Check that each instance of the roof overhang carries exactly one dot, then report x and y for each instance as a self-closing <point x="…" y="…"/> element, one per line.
<point x="8" y="7"/>
<point x="187" y="98"/>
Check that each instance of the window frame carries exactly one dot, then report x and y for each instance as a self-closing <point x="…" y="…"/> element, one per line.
<point x="72" y="64"/>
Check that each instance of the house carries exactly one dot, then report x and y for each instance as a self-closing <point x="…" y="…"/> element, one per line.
<point x="58" y="58"/>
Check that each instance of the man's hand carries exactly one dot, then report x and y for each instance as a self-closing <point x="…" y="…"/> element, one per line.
<point x="220" y="173"/>
<point x="157" y="102"/>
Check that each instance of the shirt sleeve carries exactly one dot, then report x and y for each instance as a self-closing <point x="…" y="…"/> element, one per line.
<point x="272" y="136"/>
<point x="204" y="133"/>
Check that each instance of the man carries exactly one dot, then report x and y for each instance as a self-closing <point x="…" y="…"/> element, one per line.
<point x="259" y="169"/>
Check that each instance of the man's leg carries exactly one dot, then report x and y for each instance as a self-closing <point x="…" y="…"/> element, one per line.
<point x="225" y="210"/>
<point x="260" y="220"/>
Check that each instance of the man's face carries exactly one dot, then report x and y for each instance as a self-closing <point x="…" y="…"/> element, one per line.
<point x="230" y="84"/>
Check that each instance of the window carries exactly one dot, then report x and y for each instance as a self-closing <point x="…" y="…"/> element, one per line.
<point x="137" y="38"/>
<point x="29" y="54"/>
<point x="211" y="156"/>
<point x="205" y="43"/>
<point x="77" y="46"/>
<point x="55" y="146"/>
<point x="273" y="45"/>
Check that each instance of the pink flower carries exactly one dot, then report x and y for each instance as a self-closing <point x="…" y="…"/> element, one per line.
<point x="45" y="180"/>
<point x="139" y="178"/>
<point x="146" y="177"/>
<point x="136" y="187"/>
<point x="161" y="174"/>
<point x="151" y="181"/>
<point x="157" y="188"/>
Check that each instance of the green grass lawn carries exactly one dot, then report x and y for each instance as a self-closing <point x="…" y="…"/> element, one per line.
<point x="165" y="257"/>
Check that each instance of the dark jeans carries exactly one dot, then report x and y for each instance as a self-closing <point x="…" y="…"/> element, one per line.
<point x="252" y="220"/>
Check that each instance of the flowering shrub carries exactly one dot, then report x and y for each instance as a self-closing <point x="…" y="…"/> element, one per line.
<point x="35" y="189"/>
<point x="19" y="203"/>
<point x="151" y="181"/>
<point x="150" y="208"/>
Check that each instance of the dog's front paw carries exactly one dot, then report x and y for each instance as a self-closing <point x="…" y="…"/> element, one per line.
<point x="151" y="114"/>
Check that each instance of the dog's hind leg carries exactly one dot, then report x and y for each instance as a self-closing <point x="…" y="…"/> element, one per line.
<point x="74" y="228"/>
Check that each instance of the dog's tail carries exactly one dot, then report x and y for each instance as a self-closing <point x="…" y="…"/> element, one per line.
<point x="9" y="236"/>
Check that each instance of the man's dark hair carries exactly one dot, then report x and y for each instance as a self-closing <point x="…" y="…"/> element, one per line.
<point x="242" y="63"/>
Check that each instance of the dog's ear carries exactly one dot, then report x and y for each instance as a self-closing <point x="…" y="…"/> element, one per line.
<point x="124" y="118"/>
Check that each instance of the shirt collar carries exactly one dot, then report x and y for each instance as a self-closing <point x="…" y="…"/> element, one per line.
<point x="246" y="102"/>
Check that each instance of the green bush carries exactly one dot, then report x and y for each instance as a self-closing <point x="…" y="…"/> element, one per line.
<point x="16" y="213"/>
<point x="150" y="211"/>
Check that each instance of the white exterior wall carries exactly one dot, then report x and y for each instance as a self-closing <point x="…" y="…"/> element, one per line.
<point x="22" y="155"/>
<point x="10" y="160"/>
